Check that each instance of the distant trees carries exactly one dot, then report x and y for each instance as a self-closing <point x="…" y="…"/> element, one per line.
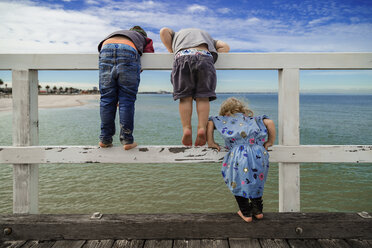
<point x="53" y="89"/>
<point x="5" y="91"/>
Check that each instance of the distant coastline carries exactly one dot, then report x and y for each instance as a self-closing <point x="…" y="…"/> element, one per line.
<point x="54" y="101"/>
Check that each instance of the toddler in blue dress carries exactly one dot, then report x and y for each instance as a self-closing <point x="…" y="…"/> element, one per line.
<point x="245" y="166"/>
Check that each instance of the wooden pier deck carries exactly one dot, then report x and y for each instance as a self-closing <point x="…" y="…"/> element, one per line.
<point x="193" y="243"/>
<point x="187" y="230"/>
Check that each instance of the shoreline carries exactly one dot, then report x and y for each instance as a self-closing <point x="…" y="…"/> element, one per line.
<point x="53" y="101"/>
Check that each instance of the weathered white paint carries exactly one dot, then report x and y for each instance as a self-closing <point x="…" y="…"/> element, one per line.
<point x="25" y="133"/>
<point x="178" y="154"/>
<point x="228" y="61"/>
<point x="289" y="153"/>
<point x="289" y="134"/>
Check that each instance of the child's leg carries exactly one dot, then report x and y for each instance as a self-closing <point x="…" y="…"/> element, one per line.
<point x="108" y="112"/>
<point x="245" y="208"/>
<point x="128" y="81"/>
<point x="185" y="109"/>
<point x="126" y="112"/>
<point x="202" y="108"/>
<point x="257" y="207"/>
<point x="108" y="108"/>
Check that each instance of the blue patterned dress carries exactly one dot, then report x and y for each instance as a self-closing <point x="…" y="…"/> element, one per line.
<point x="245" y="166"/>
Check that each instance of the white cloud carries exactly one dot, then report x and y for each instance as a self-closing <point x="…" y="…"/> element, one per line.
<point x="196" y="8"/>
<point x="224" y="10"/>
<point x="319" y="20"/>
<point x="68" y="31"/>
<point x="92" y="2"/>
<point x="43" y="29"/>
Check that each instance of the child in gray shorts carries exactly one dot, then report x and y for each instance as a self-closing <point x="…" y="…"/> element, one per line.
<point x="193" y="76"/>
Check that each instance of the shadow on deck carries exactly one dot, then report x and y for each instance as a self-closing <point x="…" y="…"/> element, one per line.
<point x="187" y="230"/>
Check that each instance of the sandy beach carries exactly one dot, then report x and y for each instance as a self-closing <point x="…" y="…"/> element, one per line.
<point x="53" y="101"/>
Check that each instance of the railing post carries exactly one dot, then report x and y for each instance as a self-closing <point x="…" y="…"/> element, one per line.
<point x="289" y="111"/>
<point x="25" y="133"/>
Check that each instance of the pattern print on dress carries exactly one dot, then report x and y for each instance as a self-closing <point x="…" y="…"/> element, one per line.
<point x="245" y="166"/>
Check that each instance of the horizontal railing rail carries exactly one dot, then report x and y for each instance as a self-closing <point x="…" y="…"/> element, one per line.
<point x="228" y="61"/>
<point x="178" y="154"/>
<point x="25" y="153"/>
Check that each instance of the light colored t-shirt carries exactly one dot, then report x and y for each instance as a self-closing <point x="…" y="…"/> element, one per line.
<point x="192" y="37"/>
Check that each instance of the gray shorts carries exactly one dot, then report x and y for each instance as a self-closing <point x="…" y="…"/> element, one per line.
<point x="195" y="76"/>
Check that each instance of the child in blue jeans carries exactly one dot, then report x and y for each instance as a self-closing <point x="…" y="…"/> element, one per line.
<point x="119" y="78"/>
<point x="245" y="166"/>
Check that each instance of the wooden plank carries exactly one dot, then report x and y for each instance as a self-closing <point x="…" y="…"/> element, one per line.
<point x="242" y="243"/>
<point x="187" y="243"/>
<point x="40" y="244"/>
<point x="289" y="134"/>
<point x="69" y="244"/>
<point x="25" y="133"/>
<point x="214" y="243"/>
<point x="25" y="107"/>
<point x="274" y="243"/>
<point x="164" y="61"/>
<point x="178" y="154"/>
<point x="152" y="154"/>
<point x="136" y="243"/>
<point x="12" y="244"/>
<point x="99" y="243"/>
<point x="333" y="243"/>
<point x="308" y="61"/>
<point x="357" y="243"/>
<point x="30" y="243"/>
<point x="186" y="226"/>
<point x="304" y="243"/>
<point x="158" y="244"/>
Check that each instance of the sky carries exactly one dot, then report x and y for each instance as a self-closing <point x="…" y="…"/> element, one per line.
<point x="77" y="26"/>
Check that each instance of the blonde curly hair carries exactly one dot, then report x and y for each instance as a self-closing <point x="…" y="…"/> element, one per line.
<point x="233" y="105"/>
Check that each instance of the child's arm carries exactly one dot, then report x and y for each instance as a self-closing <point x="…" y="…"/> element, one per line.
<point x="166" y="36"/>
<point x="222" y="47"/>
<point x="210" y="138"/>
<point x="270" y="126"/>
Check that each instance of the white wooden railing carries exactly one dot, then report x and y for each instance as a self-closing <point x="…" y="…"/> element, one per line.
<point x="26" y="155"/>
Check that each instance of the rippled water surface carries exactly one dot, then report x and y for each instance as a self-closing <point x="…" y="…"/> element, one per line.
<point x="169" y="188"/>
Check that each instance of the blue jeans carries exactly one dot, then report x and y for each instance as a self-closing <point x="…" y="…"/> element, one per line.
<point x="119" y="78"/>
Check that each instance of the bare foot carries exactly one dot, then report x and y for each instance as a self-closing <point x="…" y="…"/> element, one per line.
<point x="259" y="216"/>
<point x="130" y="146"/>
<point x="187" y="137"/>
<point x="246" y="219"/>
<point x="102" y="145"/>
<point x="201" y="139"/>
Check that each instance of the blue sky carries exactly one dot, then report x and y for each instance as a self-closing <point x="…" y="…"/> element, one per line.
<point x="77" y="26"/>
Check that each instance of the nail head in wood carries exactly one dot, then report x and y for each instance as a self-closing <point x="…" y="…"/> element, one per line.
<point x="7" y="231"/>
<point x="299" y="230"/>
<point x="96" y="216"/>
<point x="365" y="215"/>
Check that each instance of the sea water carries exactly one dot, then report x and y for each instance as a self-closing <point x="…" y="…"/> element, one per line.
<point x="187" y="188"/>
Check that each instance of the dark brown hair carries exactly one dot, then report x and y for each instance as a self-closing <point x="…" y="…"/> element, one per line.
<point x="139" y="30"/>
